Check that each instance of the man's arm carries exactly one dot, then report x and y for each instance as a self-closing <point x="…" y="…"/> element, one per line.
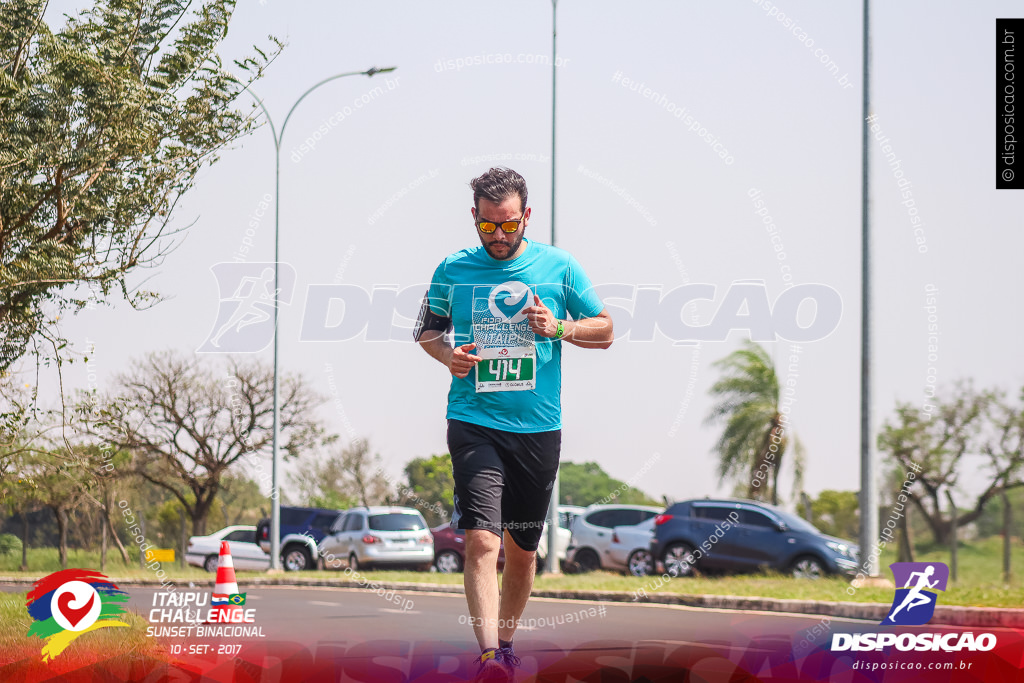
<point x="459" y="360"/>
<point x="587" y="333"/>
<point x="590" y="333"/>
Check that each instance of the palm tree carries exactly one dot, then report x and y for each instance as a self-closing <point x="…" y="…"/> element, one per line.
<point x="754" y="441"/>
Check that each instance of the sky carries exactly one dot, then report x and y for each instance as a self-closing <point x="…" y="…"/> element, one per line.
<point x="374" y="193"/>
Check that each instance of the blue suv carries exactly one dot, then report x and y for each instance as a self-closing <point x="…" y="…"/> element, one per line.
<point x="730" y="535"/>
<point x="301" y="530"/>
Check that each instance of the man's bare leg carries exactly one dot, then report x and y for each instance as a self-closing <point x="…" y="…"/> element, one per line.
<point x="481" y="581"/>
<point x="516" y="585"/>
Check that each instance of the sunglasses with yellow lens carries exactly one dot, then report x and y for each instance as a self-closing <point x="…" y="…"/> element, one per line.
<point x="487" y="227"/>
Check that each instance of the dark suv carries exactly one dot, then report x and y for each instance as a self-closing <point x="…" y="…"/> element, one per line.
<point x="301" y="530"/>
<point x="729" y="535"/>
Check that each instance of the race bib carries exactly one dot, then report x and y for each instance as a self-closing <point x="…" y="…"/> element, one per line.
<point x="503" y="338"/>
<point x="507" y="369"/>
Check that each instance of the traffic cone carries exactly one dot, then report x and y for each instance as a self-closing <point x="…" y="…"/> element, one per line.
<point x="227" y="585"/>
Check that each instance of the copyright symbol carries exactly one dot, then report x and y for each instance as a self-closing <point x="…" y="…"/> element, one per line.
<point x="1007" y="174"/>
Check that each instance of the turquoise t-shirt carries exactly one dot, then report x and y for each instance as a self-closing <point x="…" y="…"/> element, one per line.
<point x="484" y="298"/>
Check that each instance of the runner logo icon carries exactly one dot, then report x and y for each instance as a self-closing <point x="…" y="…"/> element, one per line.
<point x="916" y="583"/>
<point x="245" y="314"/>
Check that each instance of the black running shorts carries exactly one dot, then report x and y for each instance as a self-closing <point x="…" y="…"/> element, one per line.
<point x="503" y="479"/>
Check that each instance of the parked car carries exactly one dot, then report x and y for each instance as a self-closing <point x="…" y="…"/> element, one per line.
<point x="592" y="533"/>
<point x="630" y="549"/>
<point x="567" y="514"/>
<point x="449" y="544"/>
<point x="748" y="536"/>
<point x="204" y="551"/>
<point x="450" y="550"/>
<point x="378" y="536"/>
<point x="301" y="530"/>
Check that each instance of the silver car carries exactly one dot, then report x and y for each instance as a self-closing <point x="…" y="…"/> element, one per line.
<point x="592" y="533"/>
<point x="630" y="549"/>
<point x="378" y="537"/>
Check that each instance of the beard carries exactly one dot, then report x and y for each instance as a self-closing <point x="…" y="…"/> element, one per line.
<point x="503" y="254"/>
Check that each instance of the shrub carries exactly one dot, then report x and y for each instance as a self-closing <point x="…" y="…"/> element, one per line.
<point x="9" y="544"/>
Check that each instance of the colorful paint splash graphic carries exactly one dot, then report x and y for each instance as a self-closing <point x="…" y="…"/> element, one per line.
<point x="69" y="603"/>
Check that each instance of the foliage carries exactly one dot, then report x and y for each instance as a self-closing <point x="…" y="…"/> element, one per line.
<point x="585" y="484"/>
<point x="754" y="440"/>
<point x="990" y="522"/>
<point x="430" y="487"/>
<point x="106" y="123"/>
<point x="968" y="433"/>
<point x="345" y="478"/>
<point x="9" y="544"/>
<point x="837" y="513"/>
<point x="186" y="424"/>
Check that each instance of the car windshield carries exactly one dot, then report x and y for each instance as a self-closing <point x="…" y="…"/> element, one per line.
<point x="396" y="521"/>
<point x="796" y="523"/>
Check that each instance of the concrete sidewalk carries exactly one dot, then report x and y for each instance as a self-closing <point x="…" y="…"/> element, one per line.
<point x="988" y="617"/>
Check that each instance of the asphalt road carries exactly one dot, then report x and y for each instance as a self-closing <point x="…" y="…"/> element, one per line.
<point x="418" y="636"/>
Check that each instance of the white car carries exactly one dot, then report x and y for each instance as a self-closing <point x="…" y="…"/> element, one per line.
<point x="566" y="515"/>
<point x="592" y="533"/>
<point x="204" y="551"/>
<point x="630" y="549"/>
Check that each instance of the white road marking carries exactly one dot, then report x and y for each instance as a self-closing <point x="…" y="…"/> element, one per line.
<point x="397" y="611"/>
<point x="325" y="604"/>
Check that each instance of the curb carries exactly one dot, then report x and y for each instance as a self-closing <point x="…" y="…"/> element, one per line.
<point x="987" y="617"/>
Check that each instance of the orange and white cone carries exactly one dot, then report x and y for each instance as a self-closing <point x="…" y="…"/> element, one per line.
<point x="226" y="586"/>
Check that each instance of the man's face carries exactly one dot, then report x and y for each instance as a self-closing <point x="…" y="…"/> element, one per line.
<point x="499" y="244"/>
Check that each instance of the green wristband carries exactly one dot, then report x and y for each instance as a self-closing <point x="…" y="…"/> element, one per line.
<point x="560" y="330"/>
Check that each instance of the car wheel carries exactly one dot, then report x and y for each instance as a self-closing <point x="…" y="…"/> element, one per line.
<point x="808" y="567"/>
<point x="296" y="559"/>
<point x="353" y="562"/>
<point x="675" y="559"/>
<point x="587" y="560"/>
<point x="639" y="563"/>
<point x="448" y="562"/>
<point x="210" y="564"/>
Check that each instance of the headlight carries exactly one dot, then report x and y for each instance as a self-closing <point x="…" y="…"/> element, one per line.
<point x="843" y="549"/>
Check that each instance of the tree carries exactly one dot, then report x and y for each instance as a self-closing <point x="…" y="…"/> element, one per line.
<point x="345" y="478"/>
<point x="186" y="425"/>
<point x="19" y="490"/>
<point x="837" y="513"/>
<point x="976" y="431"/>
<point x="754" y="441"/>
<point x="50" y="480"/>
<point x="106" y="471"/>
<point x="106" y="124"/>
<point x="62" y="488"/>
<point x="430" y="487"/>
<point x="585" y="484"/>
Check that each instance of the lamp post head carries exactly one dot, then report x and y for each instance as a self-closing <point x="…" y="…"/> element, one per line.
<point x="374" y="70"/>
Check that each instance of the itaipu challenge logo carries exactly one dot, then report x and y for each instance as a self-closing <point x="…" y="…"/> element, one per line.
<point x="70" y="603"/>
<point x="916" y="583"/>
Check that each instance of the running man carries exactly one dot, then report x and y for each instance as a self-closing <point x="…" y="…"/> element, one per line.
<point x="510" y="303"/>
<point x="252" y="306"/>
<point x="914" y="597"/>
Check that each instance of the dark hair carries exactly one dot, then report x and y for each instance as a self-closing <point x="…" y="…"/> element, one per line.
<point x="497" y="185"/>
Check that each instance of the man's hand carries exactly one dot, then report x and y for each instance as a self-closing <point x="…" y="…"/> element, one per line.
<point x="542" y="320"/>
<point x="462" y="361"/>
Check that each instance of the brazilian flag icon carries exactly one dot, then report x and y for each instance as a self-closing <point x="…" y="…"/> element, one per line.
<point x="236" y="599"/>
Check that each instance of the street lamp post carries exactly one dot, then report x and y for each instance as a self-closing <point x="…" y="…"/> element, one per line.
<point x="868" y="483"/>
<point x="551" y="566"/>
<point x="275" y="515"/>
